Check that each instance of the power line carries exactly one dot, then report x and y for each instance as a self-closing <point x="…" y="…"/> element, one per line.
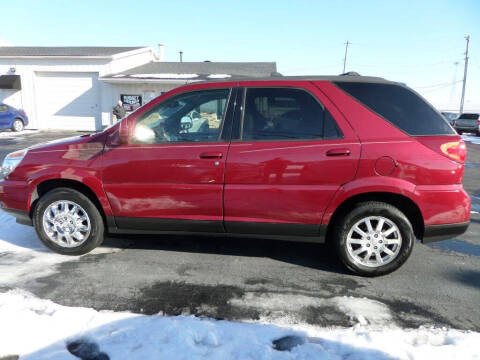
<point x="438" y="85"/>
<point x="453" y="89"/>
<point x="403" y="65"/>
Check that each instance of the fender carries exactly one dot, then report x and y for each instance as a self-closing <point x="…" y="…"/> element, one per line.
<point x="369" y="185"/>
<point x="84" y="176"/>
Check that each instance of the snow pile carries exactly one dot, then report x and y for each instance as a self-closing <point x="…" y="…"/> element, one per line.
<point x="165" y="76"/>
<point x="8" y="133"/>
<point x="52" y="328"/>
<point x="23" y="256"/>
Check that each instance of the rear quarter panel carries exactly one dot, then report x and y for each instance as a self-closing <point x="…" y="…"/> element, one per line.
<point x="416" y="167"/>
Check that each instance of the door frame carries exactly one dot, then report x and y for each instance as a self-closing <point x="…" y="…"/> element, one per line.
<point x="127" y="224"/>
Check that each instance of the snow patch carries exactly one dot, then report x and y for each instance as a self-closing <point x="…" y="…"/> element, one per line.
<point x="23" y="256"/>
<point x="361" y="310"/>
<point x="8" y="133"/>
<point x="55" y="331"/>
<point x="218" y="76"/>
<point x="471" y="139"/>
<point x="165" y="76"/>
<point x="365" y="311"/>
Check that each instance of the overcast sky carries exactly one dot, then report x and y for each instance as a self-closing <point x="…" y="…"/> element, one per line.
<point x="420" y="43"/>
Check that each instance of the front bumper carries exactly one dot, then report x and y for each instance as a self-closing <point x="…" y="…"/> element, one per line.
<point x="434" y="233"/>
<point x="14" y="194"/>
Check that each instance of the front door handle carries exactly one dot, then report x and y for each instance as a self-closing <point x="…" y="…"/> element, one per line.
<point x="211" y="155"/>
<point x="338" y="152"/>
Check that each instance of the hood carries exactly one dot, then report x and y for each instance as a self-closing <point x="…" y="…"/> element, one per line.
<point x="83" y="141"/>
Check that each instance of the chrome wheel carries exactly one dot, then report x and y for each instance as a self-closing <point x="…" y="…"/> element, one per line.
<point x="66" y="223"/>
<point x="374" y="241"/>
<point x="17" y="125"/>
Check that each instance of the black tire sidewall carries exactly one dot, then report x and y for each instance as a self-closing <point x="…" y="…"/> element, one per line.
<point x="375" y="209"/>
<point x="95" y="237"/>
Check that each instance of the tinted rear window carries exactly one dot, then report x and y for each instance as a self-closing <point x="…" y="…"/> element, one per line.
<point x="400" y="106"/>
<point x="469" y="116"/>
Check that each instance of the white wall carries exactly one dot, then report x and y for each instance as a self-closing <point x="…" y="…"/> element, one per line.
<point x="27" y="68"/>
<point x="116" y="89"/>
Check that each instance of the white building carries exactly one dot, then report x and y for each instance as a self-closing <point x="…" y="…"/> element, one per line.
<point x="76" y="87"/>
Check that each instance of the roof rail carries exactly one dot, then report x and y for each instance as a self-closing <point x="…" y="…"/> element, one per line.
<point x="350" y="73"/>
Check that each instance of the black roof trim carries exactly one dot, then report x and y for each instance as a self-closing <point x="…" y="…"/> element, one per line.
<point x="331" y="78"/>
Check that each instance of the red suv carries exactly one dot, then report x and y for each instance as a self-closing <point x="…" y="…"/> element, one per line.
<point x="361" y="162"/>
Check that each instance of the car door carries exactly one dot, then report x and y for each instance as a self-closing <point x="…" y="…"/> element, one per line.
<point x="291" y="150"/>
<point x="170" y="175"/>
<point x="4" y="116"/>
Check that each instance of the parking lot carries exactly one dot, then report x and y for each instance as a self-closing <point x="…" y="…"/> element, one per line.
<point x="258" y="279"/>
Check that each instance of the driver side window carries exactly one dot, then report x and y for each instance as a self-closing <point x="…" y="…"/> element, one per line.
<point x="195" y="116"/>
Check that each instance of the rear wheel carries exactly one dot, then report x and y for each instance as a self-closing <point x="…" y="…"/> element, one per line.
<point x="17" y="125"/>
<point x="67" y="222"/>
<point x="477" y="133"/>
<point x="374" y="239"/>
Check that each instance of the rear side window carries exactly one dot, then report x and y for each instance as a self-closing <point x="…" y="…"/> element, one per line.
<point x="400" y="106"/>
<point x="286" y="114"/>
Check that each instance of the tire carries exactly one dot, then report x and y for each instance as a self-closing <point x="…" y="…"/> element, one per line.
<point x="76" y="240"/>
<point x="347" y="240"/>
<point x="17" y="125"/>
<point x="477" y="133"/>
<point x="459" y="132"/>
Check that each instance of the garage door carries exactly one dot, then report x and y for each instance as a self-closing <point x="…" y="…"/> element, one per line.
<point x="68" y="100"/>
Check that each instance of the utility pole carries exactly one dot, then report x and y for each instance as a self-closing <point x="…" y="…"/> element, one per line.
<point x="181" y="55"/>
<point x="464" y="75"/>
<point x="345" y="58"/>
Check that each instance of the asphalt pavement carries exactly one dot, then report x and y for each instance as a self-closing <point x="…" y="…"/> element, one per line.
<point x="244" y="279"/>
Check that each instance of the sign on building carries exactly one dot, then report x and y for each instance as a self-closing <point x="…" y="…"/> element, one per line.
<point x="131" y="102"/>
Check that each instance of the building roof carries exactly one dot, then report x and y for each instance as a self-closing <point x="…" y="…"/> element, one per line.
<point x="99" y="51"/>
<point x="194" y="71"/>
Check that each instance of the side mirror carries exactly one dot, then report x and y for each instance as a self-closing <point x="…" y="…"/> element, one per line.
<point x="124" y="131"/>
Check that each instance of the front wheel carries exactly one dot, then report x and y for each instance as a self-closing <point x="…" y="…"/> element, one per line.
<point x="374" y="239"/>
<point x="67" y="222"/>
<point x="17" y="125"/>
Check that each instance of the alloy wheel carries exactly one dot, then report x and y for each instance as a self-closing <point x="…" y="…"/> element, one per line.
<point x="374" y="241"/>
<point x="66" y="223"/>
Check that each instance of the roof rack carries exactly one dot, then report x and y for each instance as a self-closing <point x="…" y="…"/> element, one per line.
<point x="350" y="73"/>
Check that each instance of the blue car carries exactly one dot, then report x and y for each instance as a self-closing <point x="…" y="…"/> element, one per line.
<point x="11" y="118"/>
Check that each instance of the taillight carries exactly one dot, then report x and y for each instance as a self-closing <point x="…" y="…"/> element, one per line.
<point x="455" y="150"/>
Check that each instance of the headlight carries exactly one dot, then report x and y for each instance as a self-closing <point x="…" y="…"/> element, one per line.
<point x="11" y="162"/>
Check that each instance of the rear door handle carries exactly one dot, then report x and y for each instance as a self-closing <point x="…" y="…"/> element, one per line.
<point x="211" y="155"/>
<point x="338" y="152"/>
